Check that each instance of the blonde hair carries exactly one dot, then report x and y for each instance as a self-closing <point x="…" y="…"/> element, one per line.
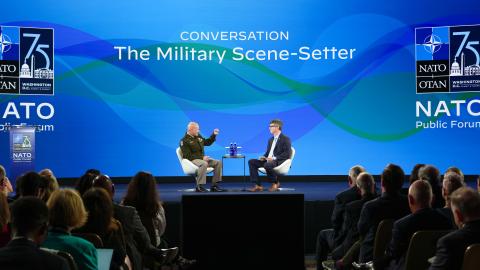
<point x="2" y="172"/>
<point x="52" y="183"/>
<point x="4" y="210"/>
<point x="66" y="209"/>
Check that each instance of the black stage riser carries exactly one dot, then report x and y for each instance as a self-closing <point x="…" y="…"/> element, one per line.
<point x="244" y="231"/>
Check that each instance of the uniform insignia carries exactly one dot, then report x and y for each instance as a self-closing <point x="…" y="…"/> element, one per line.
<point x="200" y="139"/>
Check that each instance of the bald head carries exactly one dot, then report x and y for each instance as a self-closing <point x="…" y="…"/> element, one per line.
<point x="419" y="195"/>
<point x="365" y="183"/>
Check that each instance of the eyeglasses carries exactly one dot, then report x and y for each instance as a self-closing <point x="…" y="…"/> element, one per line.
<point x="273" y="126"/>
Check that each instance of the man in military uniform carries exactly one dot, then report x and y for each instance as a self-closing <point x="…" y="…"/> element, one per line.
<point x="192" y="149"/>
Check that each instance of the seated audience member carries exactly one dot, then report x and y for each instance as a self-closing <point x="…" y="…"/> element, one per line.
<point x="30" y="184"/>
<point x="84" y="183"/>
<point x="390" y="205"/>
<point x="478" y="184"/>
<point x="29" y="226"/>
<point x="142" y="194"/>
<point x="101" y="222"/>
<point x="451" y="182"/>
<point x="431" y="174"/>
<point x="93" y="171"/>
<point x="67" y="213"/>
<point x="423" y="217"/>
<point x="366" y="185"/>
<point x="5" y="185"/>
<point x="414" y="173"/>
<point x="51" y="183"/>
<point x="457" y="171"/>
<point x="329" y="239"/>
<point x="136" y="236"/>
<point x="451" y="248"/>
<point x="4" y="220"/>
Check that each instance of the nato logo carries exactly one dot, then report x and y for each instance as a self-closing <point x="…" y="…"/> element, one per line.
<point x="26" y="61"/>
<point x="447" y="59"/>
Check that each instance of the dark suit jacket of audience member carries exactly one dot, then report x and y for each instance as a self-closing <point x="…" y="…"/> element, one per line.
<point x="451" y="248"/>
<point x="388" y="206"/>
<point x="403" y="230"/>
<point x="350" y="223"/>
<point x="136" y="237"/>
<point x="283" y="148"/>
<point x="438" y="200"/>
<point x="22" y="254"/>
<point x="341" y="200"/>
<point x="447" y="212"/>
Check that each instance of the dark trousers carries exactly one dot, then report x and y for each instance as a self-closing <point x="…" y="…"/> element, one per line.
<point x="325" y="244"/>
<point x="254" y="164"/>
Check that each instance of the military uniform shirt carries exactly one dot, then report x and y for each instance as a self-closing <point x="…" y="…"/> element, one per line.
<point x="192" y="146"/>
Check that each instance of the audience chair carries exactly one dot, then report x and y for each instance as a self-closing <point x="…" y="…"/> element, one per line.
<point x="92" y="238"/>
<point x="188" y="167"/>
<point x="423" y="246"/>
<point x="471" y="260"/>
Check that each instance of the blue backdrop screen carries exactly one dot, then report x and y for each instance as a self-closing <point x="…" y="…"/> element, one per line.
<point x="351" y="80"/>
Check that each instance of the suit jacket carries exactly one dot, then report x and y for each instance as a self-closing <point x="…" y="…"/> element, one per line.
<point x="388" y="206"/>
<point x="341" y="200"/>
<point x="283" y="148"/>
<point x="22" y="254"/>
<point x="451" y="248"/>
<point x="136" y="236"/>
<point x="447" y="212"/>
<point x="403" y="230"/>
<point x="193" y="146"/>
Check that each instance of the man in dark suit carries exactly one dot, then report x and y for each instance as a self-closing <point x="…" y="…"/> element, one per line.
<point x="328" y="239"/>
<point x="29" y="226"/>
<point x="451" y="182"/>
<point x="279" y="149"/>
<point x="366" y="185"/>
<point x="451" y="248"/>
<point x="431" y="174"/>
<point x="423" y="217"/>
<point x="391" y="205"/>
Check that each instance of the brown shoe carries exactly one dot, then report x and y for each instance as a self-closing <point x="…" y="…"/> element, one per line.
<point x="275" y="187"/>
<point x="256" y="188"/>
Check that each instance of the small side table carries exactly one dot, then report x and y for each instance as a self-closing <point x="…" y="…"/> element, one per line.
<point x="239" y="156"/>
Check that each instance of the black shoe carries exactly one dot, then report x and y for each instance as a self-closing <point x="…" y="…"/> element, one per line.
<point x="184" y="263"/>
<point x="217" y="189"/>
<point x="200" y="189"/>
<point x="170" y="254"/>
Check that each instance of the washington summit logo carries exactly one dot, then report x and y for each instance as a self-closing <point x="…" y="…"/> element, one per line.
<point x="26" y="60"/>
<point x="448" y="59"/>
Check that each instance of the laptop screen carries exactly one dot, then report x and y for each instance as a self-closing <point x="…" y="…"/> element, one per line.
<point x="104" y="258"/>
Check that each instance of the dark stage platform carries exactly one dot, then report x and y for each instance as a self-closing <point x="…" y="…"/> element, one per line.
<point x="318" y="204"/>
